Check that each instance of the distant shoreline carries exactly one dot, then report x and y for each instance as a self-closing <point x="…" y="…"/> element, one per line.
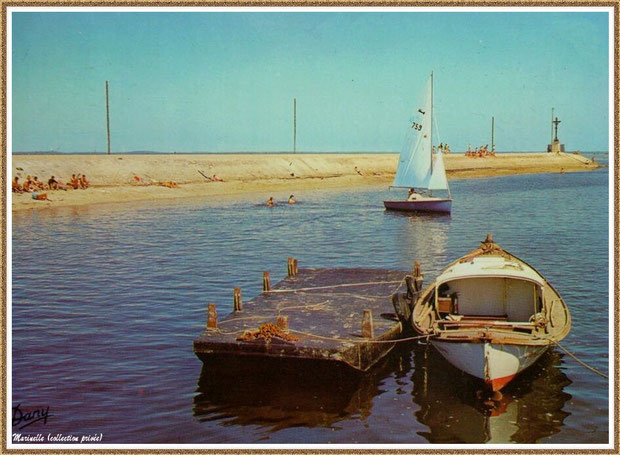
<point x="133" y="178"/>
<point x="378" y="152"/>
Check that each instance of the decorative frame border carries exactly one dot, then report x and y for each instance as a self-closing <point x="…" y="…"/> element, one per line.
<point x="4" y="179"/>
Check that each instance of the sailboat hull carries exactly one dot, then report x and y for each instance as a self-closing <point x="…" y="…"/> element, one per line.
<point x="425" y="205"/>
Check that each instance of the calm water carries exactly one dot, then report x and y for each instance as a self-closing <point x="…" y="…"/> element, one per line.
<point x="107" y="301"/>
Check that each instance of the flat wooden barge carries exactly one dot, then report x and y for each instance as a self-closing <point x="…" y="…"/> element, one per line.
<point x="314" y="317"/>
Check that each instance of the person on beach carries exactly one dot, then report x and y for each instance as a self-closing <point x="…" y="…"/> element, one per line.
<point x="270" y="202"/>
<point x="291" y="200"/>
<point x="60" y="185"/>
<point x="27" y="185"/>
<point x="562" y="171"/>
<point x="412" y="195"/>
<point x="38" y="184"/>
<point x="84" y="183"/>
<point x="358" y="171"/>
<point x="74" y="182"/>
<point x="40" y="197"/>
<point x="52" y="183"/>
<point x="15" y="186"/>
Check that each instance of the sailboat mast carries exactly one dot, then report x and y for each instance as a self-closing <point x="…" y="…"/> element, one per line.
<point x="431" y="133"/>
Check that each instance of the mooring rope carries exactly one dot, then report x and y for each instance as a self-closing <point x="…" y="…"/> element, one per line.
<point x="353" y="296"/>
<point x="340" y="340"/>
<point x="368" y="283"/>
<point x="582" y="363"/>
<point x="351" y="340"/>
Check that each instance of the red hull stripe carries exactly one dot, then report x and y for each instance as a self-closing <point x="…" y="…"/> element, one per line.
<point x="497" y="383"/>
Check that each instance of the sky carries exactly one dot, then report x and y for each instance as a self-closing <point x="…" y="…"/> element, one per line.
<point x="225" y="81"/>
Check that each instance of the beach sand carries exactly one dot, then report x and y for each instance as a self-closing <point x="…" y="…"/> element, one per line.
<point x="253" y="176"/>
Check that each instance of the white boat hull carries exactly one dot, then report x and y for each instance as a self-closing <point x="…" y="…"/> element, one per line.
<point x="425" y="205"/>
<point x="495" y="364"/>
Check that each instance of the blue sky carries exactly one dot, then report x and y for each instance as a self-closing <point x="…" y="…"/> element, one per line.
<point x="225" y="81"/>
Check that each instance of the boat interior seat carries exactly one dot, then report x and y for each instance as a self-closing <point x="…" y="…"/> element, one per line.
<point x="485" y="317"/>
<point x="453" y="317"/>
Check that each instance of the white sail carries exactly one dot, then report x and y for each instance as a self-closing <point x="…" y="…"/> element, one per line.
<point x="417" y="166"/>
<point x="414" y="164"/>
<point x="438" y="180"/>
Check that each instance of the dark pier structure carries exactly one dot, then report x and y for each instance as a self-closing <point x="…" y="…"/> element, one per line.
<point x="340" y="319"/>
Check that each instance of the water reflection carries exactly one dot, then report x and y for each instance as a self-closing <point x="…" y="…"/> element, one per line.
<point x="281" y="394"/>
<point x="425" y="234"/>
<point x="284" y="395"/>
<point x="530" y="410"/>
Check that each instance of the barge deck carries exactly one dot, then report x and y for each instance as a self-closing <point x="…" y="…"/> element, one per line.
<point x="339" y="317"/>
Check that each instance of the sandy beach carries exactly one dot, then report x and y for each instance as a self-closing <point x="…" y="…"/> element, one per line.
<point x="130" y="178"/>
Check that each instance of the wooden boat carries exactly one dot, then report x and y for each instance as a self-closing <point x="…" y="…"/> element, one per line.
<point x="489" y="313"/>
<point x="420" y="166"/>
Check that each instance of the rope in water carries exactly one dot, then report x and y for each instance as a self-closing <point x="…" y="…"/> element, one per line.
<point x="580" y="362"/>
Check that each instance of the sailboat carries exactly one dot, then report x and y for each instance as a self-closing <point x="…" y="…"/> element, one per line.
<point x="420" y="167"/>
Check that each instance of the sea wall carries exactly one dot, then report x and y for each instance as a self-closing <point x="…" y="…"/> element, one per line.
<point x="111" y="170"/>
<point x="249" y="177"/>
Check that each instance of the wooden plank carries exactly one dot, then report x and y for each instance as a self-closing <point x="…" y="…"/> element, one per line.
<point x="325" y="309"/>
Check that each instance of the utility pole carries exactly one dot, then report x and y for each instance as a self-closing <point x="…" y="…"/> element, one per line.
<point x="107" y="113"/>
<point x="294" y="125"/>
<point x="492" y="134"/>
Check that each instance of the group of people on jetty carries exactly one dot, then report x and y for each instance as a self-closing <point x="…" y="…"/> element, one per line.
<point x="33" y="185"/>
<point x="480" y="152"/>
<point x="272" y="203"/>
<point x="443" y="148"/>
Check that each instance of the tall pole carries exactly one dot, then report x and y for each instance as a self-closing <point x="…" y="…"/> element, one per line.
<point x="492" y="134"/>
<point x="107" y="113"/>
<point x="551" y="126"/>
<point x="294" y="125"/>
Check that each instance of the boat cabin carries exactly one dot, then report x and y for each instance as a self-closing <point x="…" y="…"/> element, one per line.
<point x="491" y="288"/>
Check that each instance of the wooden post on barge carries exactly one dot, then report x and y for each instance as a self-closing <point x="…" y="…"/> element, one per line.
<point x="211" y="317"/>
<point x="282" y="323"/>
<point x="237" y="306"/>
<point x="266" y="282"/>
<point x="417" y="276"/>
<point x="368" y="330"/>
<point x="292" y="267"/>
